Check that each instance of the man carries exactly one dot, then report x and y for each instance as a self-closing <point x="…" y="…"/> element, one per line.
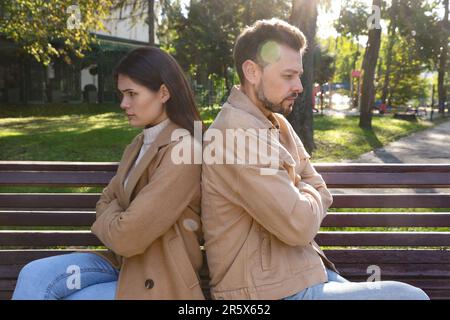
<point x="260" y="217"/>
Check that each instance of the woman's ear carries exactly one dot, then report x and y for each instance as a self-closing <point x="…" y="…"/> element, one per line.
<point x="164" y="93"/>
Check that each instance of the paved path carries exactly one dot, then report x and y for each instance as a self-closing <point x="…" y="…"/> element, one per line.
<point x="428" y="146"/>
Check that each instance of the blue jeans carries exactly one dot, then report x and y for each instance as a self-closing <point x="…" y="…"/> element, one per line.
<point x="74" y="276"/>
<point x="338" y="288"/>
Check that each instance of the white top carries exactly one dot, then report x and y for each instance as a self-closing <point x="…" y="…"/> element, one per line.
<point x="150" y="135"/>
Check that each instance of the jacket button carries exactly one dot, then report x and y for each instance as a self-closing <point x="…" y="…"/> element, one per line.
<point x="149" y="283"/>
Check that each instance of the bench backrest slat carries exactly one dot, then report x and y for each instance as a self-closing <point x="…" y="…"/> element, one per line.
<point x="413" y="200"/>
<point x="336" y="175"/>
<point x="386" y="180"/>
<point x="56" y="178"/>
<point x="333" y="219"/>
<point x="88" y="201"/>
<point x="323" y="238"/>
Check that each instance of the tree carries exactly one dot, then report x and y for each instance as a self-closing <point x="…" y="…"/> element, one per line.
<point x="427" y="35"/>
<point x="203" y="41"/>
<point x="392" y="30"/>
<point x="344" y="54"/>
<point x="205" y="38"/>
<point x="443" y="57"/>
<point x="304" y="16"/>
<point x="405" y="83"/>
<point x="324" y="65"/>
<point x="57" y="28"/>
<point x="352" y="24"/>
<point x="352" y="21"/>
<point x="369" y="67"/>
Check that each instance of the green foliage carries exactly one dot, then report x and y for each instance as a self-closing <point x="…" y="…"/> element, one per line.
<point x="348" y="56"/>
<point x="419" y="26"/>
<point x="417" y="42"/>
<point x="406" y="83"/>
<point x="57" y="28"/>
<point x="203" y="41"/>
<point x="324" y="65"/>
<point x="352" y="20"/>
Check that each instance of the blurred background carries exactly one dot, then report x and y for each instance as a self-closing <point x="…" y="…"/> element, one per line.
<point x="375" y="71"/>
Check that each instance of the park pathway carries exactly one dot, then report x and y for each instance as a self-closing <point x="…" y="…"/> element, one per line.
<point x="427" y="146"/>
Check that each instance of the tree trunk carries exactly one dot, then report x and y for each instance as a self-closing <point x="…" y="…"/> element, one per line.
<point x="304" y="16"/>
<point x="391" y="41"/>
<point x="443" y="60"/>
<point x="151" y="22"/>
<point x="355" y="59"/>
<point x="369" y="66"/>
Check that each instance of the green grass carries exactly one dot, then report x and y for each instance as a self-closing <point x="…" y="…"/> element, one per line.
<point x="339" y="138"/>
<point x="51" y="190"/>
<point x="66" y="133"/>
<point x="100" y="133"/>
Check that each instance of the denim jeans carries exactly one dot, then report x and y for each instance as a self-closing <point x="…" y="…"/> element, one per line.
<point x="74" y="276"/>
<point x="338" y="288"/>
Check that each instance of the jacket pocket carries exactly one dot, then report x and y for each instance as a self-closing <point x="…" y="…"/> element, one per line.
<point x="182" y="262"/>
<point x="301" y="258"/>
<point x="266" y="254"/>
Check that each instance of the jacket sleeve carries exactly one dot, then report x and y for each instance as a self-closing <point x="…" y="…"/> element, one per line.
<point x="291" y="213"/>
<point x="308" y="173"/>
<point x="106" y="198"/>
<point x="152" y="212"/>
<point x="106" y="201"/>
<point x="310" y="176"/>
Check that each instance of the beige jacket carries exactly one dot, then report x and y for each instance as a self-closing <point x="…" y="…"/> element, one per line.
<point x="259" y="229"/>
<point x="153" y="227"/>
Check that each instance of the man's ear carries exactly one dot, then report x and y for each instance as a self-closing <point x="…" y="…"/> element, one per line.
<point x="252" y="71"/>
<point x="164" y="93"/>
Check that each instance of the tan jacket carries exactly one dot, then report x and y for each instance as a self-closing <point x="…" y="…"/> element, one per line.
<point x="259" y="229"/>
<point x="153" y="227"/>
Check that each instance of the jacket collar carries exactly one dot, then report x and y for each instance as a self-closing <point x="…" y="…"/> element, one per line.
<point x="240" y="100"/>
<point x="151" y="133"/>
<point x="164" y="138"/>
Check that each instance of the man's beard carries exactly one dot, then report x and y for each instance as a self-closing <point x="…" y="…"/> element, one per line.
<point x="275" y="107"/>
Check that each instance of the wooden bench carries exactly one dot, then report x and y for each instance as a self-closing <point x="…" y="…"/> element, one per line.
<point x="420" y="258"/>
<point x="410" y="113"/>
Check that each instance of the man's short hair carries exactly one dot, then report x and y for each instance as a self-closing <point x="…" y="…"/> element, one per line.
<point x="250" y="41"/>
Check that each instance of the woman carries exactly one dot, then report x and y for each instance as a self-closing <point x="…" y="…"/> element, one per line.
<point x="148" y="215"/>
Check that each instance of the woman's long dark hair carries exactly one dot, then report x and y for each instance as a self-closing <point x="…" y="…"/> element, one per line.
<point x="152" y="67"/>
